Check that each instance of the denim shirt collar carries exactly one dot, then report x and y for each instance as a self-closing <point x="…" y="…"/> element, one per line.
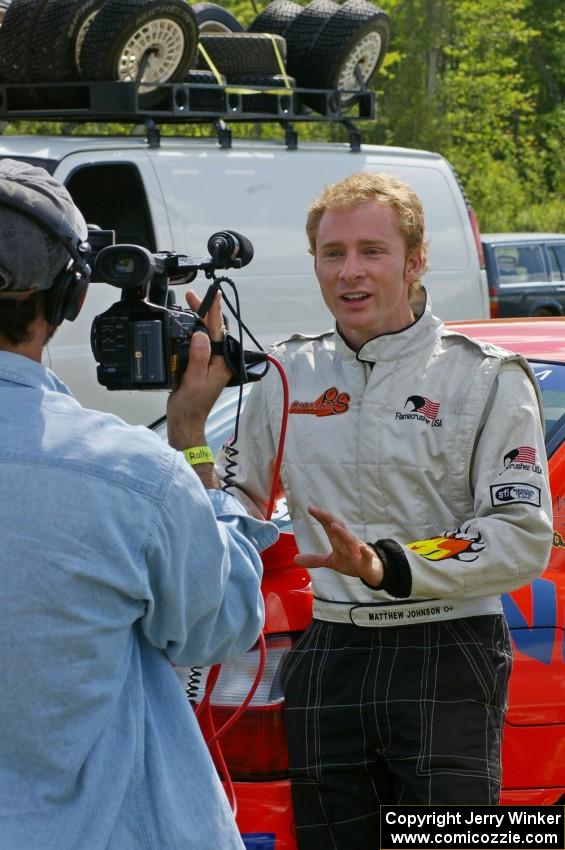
<point x="17" y="369"/>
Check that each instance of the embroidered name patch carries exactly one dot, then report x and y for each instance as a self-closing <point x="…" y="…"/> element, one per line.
<point x="506" y="494"/>
<point x="330" y="403"/>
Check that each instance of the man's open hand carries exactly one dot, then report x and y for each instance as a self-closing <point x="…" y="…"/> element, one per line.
<point x="349" y="556"/>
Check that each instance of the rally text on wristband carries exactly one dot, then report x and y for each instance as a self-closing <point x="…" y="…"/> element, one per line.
<point x="199" y="454"/>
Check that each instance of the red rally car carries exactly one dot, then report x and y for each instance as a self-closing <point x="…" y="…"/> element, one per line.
<point x="254" y="748"/>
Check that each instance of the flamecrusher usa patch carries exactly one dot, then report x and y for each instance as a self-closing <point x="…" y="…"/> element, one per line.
<point x="506" y="494"/>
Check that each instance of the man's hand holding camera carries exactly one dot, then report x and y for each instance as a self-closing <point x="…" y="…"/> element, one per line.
<point x="203" y="380"/>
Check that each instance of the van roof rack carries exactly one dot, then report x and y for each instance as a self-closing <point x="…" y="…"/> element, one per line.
<point x="184" y="103"/>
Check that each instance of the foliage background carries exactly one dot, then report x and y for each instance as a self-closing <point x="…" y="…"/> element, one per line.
<point x="480" y="81"/>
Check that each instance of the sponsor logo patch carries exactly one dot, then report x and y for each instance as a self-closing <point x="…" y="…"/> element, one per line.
<point x="422" y="409"/>
<point x="330" y="403"/>
<point x="522" y="457"/>
<point x="506" y="494"/>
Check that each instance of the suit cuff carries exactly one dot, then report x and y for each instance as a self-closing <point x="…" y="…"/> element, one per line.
<point x="397" y="576"/>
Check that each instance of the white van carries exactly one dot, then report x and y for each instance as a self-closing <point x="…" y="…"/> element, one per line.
<point x="174" y="195"/>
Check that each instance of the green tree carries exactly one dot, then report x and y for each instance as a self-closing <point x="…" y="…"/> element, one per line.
<point x="471" y="80"/>
<point x="488" y="109"/>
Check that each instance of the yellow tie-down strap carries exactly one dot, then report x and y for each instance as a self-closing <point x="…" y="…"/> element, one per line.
<point x="287" y="89"/>
<point x="210" y="64"/>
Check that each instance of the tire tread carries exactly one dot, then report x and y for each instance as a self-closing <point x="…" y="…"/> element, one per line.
<point x="277" y="17"/>
<point x="54" y="39"/>
<point x="16" y="35"/>
<point x="242" y="53"/>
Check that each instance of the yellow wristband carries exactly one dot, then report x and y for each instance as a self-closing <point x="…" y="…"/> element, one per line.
<point x="199" y="454"/>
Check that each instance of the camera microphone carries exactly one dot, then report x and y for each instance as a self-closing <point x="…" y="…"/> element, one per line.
<point x="228" y="248"/>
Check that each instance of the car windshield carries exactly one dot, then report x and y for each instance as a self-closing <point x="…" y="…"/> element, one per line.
<point x="551" y="380"/>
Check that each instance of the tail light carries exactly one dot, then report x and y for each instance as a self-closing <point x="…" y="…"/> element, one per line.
<point x="254" y="748"/>
<point x="473" y="221"/>
<point x="492" y="292"/>
<point x="493" y="302"/>
<point x="476" y="236"/>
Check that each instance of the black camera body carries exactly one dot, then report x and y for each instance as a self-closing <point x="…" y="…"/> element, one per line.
<point x="142" y="346"/>
<point x="142" y="341"/>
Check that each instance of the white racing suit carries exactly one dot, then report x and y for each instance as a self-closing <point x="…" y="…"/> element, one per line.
<point x="425" y="442"/>
<point x="429" y="446"/>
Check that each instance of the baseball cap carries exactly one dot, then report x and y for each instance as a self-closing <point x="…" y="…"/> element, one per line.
<point x="30" y="256"/>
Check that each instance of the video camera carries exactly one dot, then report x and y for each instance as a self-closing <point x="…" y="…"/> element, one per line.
<point x="142" y="341"/>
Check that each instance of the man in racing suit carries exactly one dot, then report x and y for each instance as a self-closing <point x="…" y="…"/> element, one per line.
<point x="425" y="451"/>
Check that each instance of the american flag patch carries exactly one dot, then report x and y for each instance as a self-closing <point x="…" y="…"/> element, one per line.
<point x="521" y="454"/>
<point x="430" y="409"/>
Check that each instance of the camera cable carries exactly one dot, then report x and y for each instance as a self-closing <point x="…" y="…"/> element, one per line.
<point x="204" y="710"/>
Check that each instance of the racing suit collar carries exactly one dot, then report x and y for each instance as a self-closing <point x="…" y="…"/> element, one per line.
<point x="390" y="346"/>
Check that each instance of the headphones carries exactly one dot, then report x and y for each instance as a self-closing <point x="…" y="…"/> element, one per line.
<point x="66" y="295"/>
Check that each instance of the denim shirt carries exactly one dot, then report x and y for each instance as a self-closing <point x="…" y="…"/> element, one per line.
<point x="112" y="567"/>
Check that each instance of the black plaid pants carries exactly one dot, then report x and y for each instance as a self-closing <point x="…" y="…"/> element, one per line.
<point x="411" y="714"/>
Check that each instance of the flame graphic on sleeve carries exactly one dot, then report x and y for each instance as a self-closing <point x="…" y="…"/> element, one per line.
<point x="452" y="545"/>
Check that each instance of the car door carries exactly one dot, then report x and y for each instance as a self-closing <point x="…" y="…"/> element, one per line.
<point x="525" y="282"/>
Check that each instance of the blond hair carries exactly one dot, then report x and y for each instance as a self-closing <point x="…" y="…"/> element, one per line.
<point x="382" y="189"/>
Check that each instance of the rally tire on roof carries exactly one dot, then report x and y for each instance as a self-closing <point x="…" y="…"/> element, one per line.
<point x="58" y="37"/>
<point x="262" y="101"/>
<point x="3" y="6"/>
<point x="125" y="33"/>
<point x="214" y="18"/>
<point x="204" y="77"/>
<point x="242" y="53"/>
<point x="302" y="34"/>
<point x="206" y="100"/>
<point x="16" y="34"/>
<point x="276" y="17"/>
<point x="356" y="34"/>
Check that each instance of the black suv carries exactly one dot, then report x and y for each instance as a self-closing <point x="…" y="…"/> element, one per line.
<point x="525" y="273"/>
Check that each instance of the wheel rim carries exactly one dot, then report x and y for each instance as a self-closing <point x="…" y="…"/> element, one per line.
<point x="366" y="54"/>
<point x="81" y="35"/>
<point x="162" y="40"/>
<point x="213" y="26"/>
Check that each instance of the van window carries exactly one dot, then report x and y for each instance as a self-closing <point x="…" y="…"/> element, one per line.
<point x="519" y="263"/>
<point x="112" y="196"/>
<point x="556" y="254"/>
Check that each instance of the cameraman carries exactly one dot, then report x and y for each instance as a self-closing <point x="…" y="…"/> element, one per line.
<point x="116" y="562"/>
